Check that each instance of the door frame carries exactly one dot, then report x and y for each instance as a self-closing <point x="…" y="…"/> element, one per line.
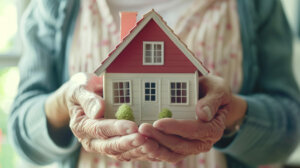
<point x="158" y="95"/>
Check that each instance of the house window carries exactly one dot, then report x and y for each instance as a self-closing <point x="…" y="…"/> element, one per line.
<point x="121" y="92"/>
<point x="153" y="53"/>
<point x="150" y="91"/>
<point x="179" y="92"/>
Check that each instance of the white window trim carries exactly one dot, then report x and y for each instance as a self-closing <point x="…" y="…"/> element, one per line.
<point x="162" y="52"/>
<point x="187" y="93"/>
<point x="143" y="91"/>
<point x="130" y="91"/>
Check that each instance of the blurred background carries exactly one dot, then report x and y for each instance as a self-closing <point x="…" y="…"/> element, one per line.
<point x="11" y="50"/>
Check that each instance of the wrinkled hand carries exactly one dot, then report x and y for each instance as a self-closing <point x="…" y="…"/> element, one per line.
<point x="187" y="137"/>
<point x="117" y="138"/>
<point x="80" y="100"/>
<point x="215" y="95"/>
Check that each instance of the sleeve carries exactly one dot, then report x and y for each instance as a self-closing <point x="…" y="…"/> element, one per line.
<point x="271" y="129"/>
<point x="38" y="79"/>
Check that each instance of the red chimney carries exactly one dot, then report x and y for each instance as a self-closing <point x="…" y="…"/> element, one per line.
<point x="128" y="21"/>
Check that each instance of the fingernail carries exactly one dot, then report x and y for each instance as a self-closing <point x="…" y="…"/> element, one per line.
<point x="129" y="131"/>
<point x="143" y="150"/>
<point x="152" y="156"/>
<point x="207" y="112"/>
<point x="135" y="143"/>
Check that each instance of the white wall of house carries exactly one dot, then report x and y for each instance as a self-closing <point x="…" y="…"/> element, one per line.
<point x="148" y="111"/>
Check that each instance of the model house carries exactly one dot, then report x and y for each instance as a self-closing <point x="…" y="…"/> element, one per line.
<point x="149" y="70"/>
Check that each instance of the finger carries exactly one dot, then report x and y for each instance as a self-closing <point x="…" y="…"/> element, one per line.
<point x="95" y="84"/>
<point x="192" y="129"/>
<point x="83" y="91"/>
<point x="83" y="127"/>
<point x="164" y="154"/>
<point x="115" y="145"/>
<point x="175" y="143"/>
<point x="139" y="152"/>
<point x="92" y="104"/>
<point x="216" y="95"/>
<point x="151" y="151"/>
<point x="207" y="107"/>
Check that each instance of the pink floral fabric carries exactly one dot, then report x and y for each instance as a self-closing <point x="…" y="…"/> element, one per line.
<point x="210" y="28"/>
<point x="212" y="159"/>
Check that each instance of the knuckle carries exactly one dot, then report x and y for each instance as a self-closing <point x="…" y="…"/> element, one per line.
<point x="107" y="150"/>
<point x="76" y="125"/>
<point x="151" y="147"/>
<point x="210" y="131"/>
<point x="155" y="154"/>
<point x="110" y="149"/>
<point x="203" y="147"/>
<point x="87" y="145"/>
<point x="75" y="91"/>
<point x="122" y="158"/>
<point x="207" y="147"/>
<point x="119" y="125"/>
<point x="103" y="132"/>
<point x="182" y="149"/>
<point x="199" y="148"/>
<point x="117" y="147"/>
<point x="218" y="123"/>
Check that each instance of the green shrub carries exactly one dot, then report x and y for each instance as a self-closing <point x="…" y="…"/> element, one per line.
<point x="124" y="113"/>
<point x="165" y="113"/>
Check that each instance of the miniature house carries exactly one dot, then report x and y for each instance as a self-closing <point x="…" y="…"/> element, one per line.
<point x="149" y="70"/>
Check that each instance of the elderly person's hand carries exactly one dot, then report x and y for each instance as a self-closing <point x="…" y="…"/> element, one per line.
<point x="78" y="103"/>
<point x="216" y="110"/>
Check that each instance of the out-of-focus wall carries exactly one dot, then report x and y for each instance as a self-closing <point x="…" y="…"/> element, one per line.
<point x="292" y="11"/>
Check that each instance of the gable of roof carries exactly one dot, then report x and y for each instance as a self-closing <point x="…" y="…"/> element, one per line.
<point x="169" y="32"/>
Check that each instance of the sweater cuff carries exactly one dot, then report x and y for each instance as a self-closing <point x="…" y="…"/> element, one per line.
<point x="39" y="131"/>
<point x="250" y="130"/>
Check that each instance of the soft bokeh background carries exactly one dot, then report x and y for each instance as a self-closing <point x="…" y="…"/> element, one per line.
<point x="11" y="50"/>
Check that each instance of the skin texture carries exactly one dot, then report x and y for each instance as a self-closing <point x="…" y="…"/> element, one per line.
<point x="217" y="109"/>
<point x="78" y="104"/>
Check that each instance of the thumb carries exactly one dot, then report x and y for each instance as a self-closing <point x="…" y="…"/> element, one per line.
<point x="207" y="107"/>
<point x="95" y="84"/>
<point x="93" y="105"/>
<point x="86" y="86"/>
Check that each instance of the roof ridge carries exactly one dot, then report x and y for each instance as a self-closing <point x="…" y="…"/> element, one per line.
<point x="145" y="16"/>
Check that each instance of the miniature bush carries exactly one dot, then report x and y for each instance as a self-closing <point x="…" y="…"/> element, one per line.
<point x="124" y="113"/>
<point x="165" y="113"/>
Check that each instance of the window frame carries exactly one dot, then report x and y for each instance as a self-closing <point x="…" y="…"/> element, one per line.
<point x="130" y="92"/>
<point x="187" y="92"/>
<point x="152" y="53"/>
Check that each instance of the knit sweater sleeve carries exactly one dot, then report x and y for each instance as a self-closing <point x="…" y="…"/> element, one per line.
<point x="271" y="129"/>
<point x="39" y="77"/>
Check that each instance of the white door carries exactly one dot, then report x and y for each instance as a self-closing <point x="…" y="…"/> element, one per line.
<point x="150" y="100"/>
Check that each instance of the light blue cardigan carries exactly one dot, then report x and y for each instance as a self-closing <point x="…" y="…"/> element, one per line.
<point x="269" y="133"/>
